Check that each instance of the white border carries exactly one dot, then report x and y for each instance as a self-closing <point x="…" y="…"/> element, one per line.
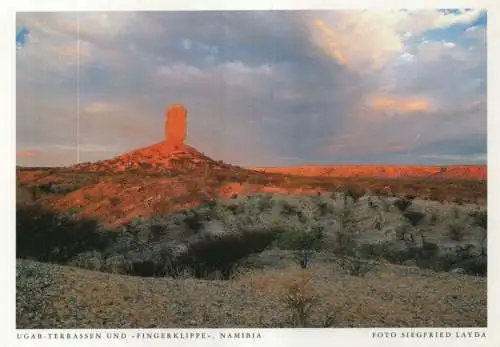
<point x="194" y="5"/>
<point x="278" y="337"/>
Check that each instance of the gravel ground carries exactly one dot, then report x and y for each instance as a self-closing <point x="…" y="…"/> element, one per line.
<point x="52" y="296"/>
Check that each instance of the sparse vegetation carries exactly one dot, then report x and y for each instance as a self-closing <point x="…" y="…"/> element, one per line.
<point x="52" y="237"/>
<point x="216" y="236"/>
<point x="414" y="217"/>
<point x="402" y="204"/>
<point x="456" y="232"/>
<point x="303" y="242"/>
<point x="299" y="301"/>
<point x="354" y="193"/>
<point x="338" y="229"/>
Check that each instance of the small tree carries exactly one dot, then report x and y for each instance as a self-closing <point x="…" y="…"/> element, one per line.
<point x="345" y="248"/>
<point x="481" y="220"/>
<point x="402" y="204"/>
<point x="303" y="242"/>
<point x="354" y="193"/>
<point x="300" y="306"/>
<point x="455" y="232"/>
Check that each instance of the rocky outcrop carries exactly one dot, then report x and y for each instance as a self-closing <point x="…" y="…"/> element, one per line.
<point x="176" y="124"/>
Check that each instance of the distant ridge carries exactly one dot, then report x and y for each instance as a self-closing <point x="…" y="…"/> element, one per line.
<point x="462" y="172"/>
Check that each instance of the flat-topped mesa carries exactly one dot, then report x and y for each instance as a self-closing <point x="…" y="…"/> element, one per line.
<point x="176" y="123"/>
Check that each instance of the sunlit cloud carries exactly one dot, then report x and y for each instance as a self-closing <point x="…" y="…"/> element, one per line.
<point x="367" y="40"/>
<point x="100" y="107"/>
<point x="400" y="105"/>
<point x="359" y="43"/>
<point x="253" y="82"/>
<point x="332" y="42"/>
<point x="26" y="153"/>
<point x="74" y="51"/>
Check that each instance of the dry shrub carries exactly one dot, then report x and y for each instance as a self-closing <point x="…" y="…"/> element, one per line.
<point x="298" y="295"/>
<point x="277" y="283"/>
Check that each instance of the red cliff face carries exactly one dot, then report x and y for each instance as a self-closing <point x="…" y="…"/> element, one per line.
<point x="176" y="124"/>
<point x="472" y="172"/>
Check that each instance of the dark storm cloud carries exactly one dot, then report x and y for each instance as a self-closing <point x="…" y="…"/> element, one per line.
<point x="260" y="90"/>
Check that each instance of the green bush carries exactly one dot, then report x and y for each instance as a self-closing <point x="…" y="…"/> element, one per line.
<point x="476" y="266"/>
<point x="383" y="250"/>
<point x="116" y="264"/>
<point x="480" y="218"/>
<point x="414" y="217"/>
<point x="455" y="232"/>
<point x="301" y="239"/>
<point x="303" y="242"/>
<point x="190" y="241"/>
<point x="194" y="221"/>
<point x="402" y="204"/>
<point x="209" y="253"/>
<point x="91" y="260"/>
<point x="349" y="255"/>
<point x="265" y="202"/>
<point x="371" y="204"/>
<point x="47" y="236"/>
<point x="471" y="262"/>
<point x="354" y="193"/>
<point x="355" y="265"/>
<point x="287" y="209"/>
<point x="144" y="263"/>
<point x="428" y="256"/>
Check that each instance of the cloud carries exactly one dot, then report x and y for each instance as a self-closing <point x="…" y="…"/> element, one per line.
<point x="420" y="21"/>
<point x="26" y="153"/>
<point x="232" y="74"/>
<point x="76" y="51"/>
<point x="262" y="88"/>
<point x="337" y="41"/>
<point x="181" y="73"/>
<point x="436" y="51"/>
<point x="400" y="105"/>
<point x="475" y="32"/>
<point x="97" y="27"/>
<point x="332" y="42"/>
<point x="367" y="40"/>
<point x="100" y="107"/>
<point x="463" y="145"/>
<point x="471" y="158"/>
<point x="82" y="148"/>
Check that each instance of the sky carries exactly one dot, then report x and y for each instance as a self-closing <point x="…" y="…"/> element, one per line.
<point x="269" y="88"/>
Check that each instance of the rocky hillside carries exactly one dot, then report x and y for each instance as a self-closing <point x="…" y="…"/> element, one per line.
<point x="160" y="158"/>
<point x="172" y="176"/>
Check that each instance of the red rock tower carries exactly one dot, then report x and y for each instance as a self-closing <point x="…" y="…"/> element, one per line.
<point x="176" y="123"/>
